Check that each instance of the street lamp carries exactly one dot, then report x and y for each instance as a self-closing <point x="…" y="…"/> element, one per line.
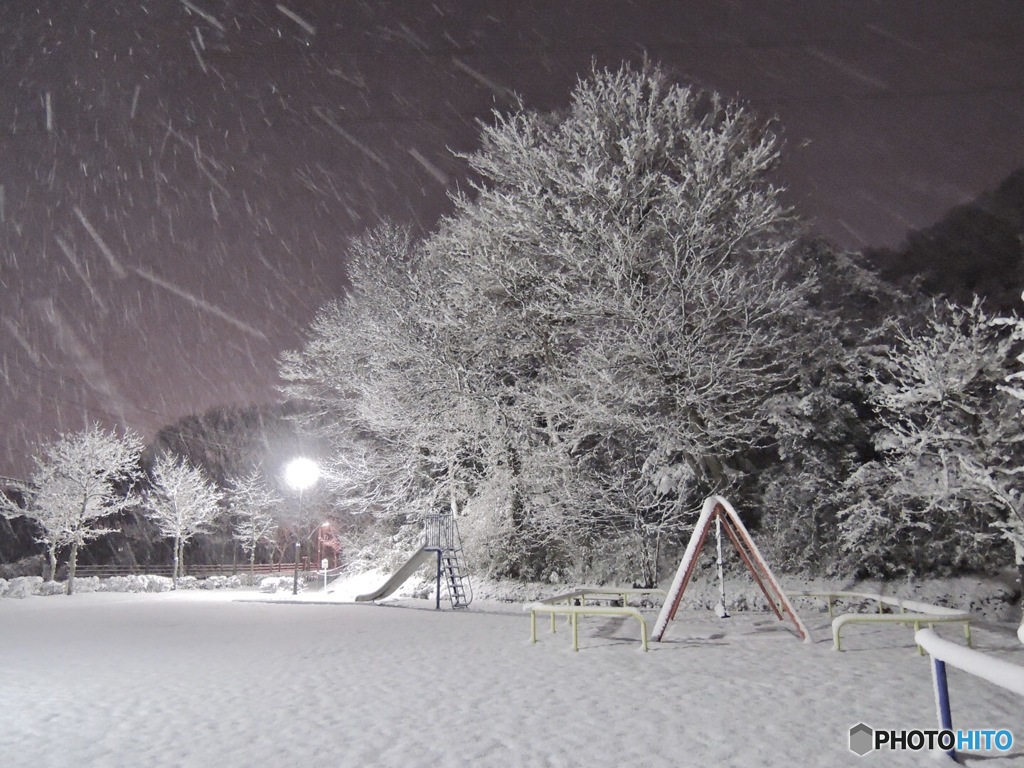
<point x="300" y="474"/>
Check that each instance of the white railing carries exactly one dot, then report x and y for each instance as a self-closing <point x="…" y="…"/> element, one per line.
<point x="996" y="671"/>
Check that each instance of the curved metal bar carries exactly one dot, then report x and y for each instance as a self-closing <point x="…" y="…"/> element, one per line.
<point x="917" y="619"/>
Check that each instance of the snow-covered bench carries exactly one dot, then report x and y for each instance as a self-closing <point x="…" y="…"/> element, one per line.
<point x="911" y="612"/>
<point x="592" y="601"/>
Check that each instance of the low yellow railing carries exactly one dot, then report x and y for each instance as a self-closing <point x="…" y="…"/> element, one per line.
<point x="911" y="612"/>
<point x="575" y="604"/>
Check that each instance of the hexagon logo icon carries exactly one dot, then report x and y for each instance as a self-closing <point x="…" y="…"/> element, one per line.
<point x="861" y="739"/>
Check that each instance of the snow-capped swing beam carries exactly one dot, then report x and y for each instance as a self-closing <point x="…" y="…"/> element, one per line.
<point x="718" y="510"/>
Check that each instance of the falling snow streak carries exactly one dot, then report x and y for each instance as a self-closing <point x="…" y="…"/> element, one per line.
<point x="22" y="340"/>
<point x="200" y="158"/>
<point x="199" y="302"/>
<point x="210" y="19"/>
<point x="104" y="248"/>
<point x="847" y="69"/>
<point x="416" y="41"/>
<point x="432" y="169"/>
<point x="498" y="89"/>
<point x="82" y="273"/>
<point x="199" y="56"/>
<point x="92" y="370"/>
<point x="309" y="28"/>
<point x="350" y="138"/>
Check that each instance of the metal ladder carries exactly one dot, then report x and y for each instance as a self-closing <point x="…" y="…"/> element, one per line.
<point x="441" y="533"/>
<point x="460" y="592"/>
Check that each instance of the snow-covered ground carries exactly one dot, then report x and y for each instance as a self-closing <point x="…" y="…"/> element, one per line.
<point x="238" y="678"/>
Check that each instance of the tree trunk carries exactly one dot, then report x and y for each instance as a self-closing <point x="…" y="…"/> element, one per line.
<point x="51" y="556"/>
<point x="647" y="559"/>
<point x="174" y="570"/>
<point x="72" y="564"/>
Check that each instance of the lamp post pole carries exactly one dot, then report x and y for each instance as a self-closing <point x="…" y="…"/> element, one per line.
<point x="300" y="474"/>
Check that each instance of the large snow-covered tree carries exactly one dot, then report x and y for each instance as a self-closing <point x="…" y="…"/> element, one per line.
<point x="252" y="502"/>
<point x="80" y="479"/>
<point x="628" y="296"/>
<point x="181" y="502"/>
<point x="587" y="345"/>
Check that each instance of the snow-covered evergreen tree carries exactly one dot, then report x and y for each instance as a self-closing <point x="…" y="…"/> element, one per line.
<point x="79" y="479"/>
<point x="181" y="502"/>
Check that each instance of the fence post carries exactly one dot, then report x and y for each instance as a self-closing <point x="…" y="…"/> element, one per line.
<point x="942" y="699"/>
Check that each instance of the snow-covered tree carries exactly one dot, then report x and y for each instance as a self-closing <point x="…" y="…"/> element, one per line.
<point x="79" y="479"/>
<point x="1011" y="491"/>
<point x="948" y="454"/>
<point x="625" y="289"/>
<point x="252" y="503"/>
<point x="376" y="374"/>
<point x="590" y="340"/>
<point x="819" y="435"/>
<point x="181" y="502"/>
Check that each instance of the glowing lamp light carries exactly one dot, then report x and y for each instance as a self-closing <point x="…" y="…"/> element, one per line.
<point x="301" y="473"/>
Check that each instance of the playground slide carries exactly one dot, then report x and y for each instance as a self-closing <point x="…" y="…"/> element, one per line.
<point x="400" y="576"/>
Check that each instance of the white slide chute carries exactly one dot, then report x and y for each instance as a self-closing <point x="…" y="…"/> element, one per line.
<point x="399" y="577"/>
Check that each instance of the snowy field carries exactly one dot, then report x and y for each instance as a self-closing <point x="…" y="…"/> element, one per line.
<point x="235" y="678"/>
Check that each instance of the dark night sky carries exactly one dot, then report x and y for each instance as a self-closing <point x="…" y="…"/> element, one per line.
<point x="179" y="177"/>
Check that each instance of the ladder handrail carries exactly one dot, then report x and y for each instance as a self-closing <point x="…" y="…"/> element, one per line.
<point x="441" y="533"/>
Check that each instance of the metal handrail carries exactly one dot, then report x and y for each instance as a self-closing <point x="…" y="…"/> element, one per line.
<point x="996" y="671"/>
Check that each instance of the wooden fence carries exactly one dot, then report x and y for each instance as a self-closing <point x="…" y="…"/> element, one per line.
<point x="192" y="569"/>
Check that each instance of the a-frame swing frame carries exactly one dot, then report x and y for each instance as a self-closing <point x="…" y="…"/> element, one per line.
<point x="718" y="510"/>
